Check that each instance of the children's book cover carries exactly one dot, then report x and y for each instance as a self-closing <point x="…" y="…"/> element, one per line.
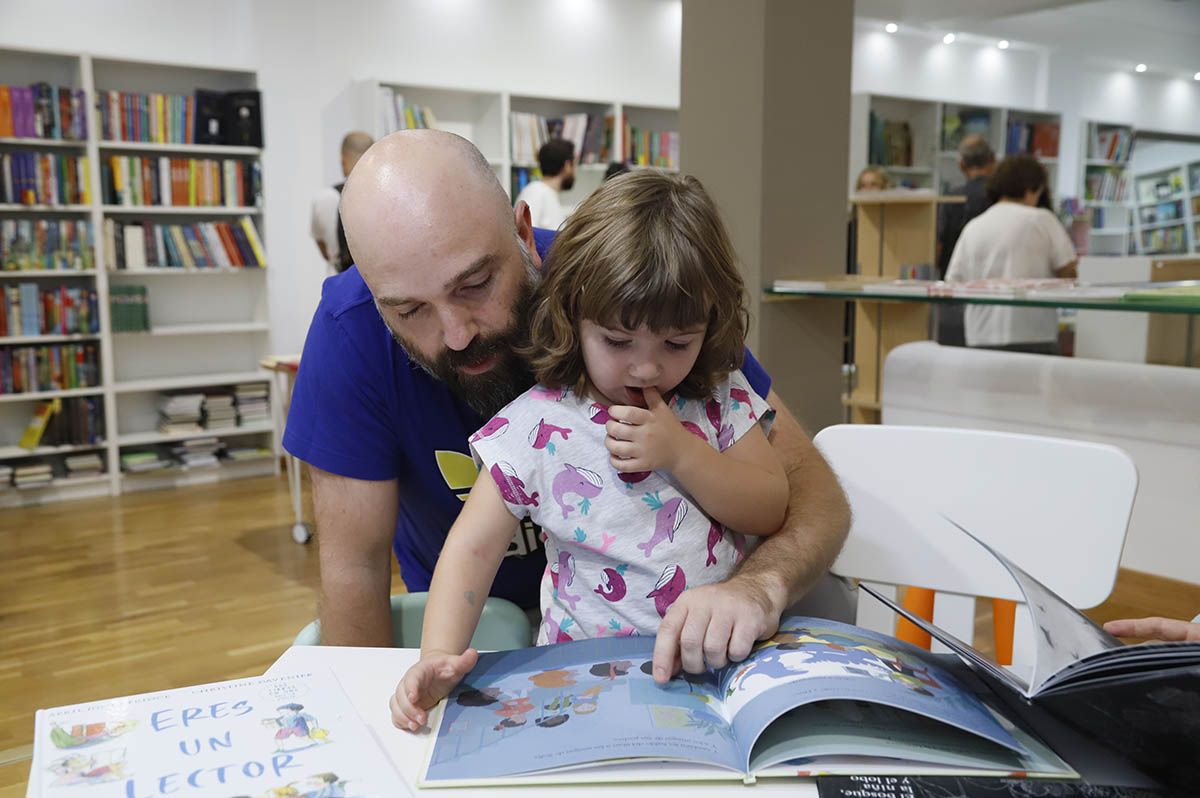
<point x="290" y="736"/>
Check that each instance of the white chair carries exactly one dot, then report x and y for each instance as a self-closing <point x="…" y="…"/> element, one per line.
<point x="1057" y="508"/>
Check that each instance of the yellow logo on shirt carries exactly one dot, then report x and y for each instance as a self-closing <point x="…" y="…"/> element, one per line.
<point x="459" y="471"/>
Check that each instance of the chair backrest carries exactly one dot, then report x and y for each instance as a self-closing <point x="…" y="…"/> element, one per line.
<point x="502" y="625"/>
<point x="1057" y="508"/>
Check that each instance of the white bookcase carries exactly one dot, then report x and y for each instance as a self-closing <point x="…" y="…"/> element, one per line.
<point x="208" y="327"/>
<point x="933" y="135"/>
<point x="484" y="118"/>
<point x="1166" y="202"/>
<point x="1106" y="189"/>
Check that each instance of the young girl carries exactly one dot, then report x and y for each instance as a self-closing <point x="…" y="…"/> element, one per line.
<point x="641" y="452"/>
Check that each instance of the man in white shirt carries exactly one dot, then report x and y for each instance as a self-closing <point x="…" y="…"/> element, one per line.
<point x="325" y="224"/>
<point x="556" y="159"/>
<point x="1014" y="239"/>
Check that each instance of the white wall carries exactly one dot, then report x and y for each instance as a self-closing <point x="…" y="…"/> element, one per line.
<point x="307" y="51"/>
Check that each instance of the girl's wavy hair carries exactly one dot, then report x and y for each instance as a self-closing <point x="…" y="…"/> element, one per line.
<point x="646" y="248"/>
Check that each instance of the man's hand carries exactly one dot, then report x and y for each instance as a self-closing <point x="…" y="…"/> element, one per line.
<point x="425" y="684"/>
<point x="1166" y="629"/>
<point x="646" y="439"/>
<point x="713" y="625"/>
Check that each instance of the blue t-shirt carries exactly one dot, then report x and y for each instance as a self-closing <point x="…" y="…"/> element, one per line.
<point x="362" y="410"/>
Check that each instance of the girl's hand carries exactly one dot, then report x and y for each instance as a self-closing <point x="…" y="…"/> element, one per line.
<point x="1165" y="629"/>
<point x="425" y="684"/>
<point x="646" y="439"/>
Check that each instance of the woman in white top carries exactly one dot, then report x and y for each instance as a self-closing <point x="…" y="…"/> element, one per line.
<point x="1013" y="239"/>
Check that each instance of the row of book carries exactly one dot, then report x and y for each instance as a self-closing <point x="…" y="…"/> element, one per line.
<point x="29" y="369"/>
<point x="133" y="181"/>
<point x="75" y="421"/>
<point x="658" y="148"/>
<point x="395" y="114"/>
<point x="30" y="309"/>
<point x="591" y="134"/>
<point x="957" y="125"/>
<point x="1161" y="212"/>
<point x="44" y="178"/>
<point x="42" y="111"/>
<point x="1032" y="138"/>
<point x="132" y="246"/>
<point x="1110" y="144"/>
<point x="202" y="117"/>
<point x="890" y="142"/>
<point x="1098" y="217"/>
<point x="1160" y="187"/>
<point x="194" y="454"/>
<point x="181" y="413"/>
<point x="45" y="245"/>
<point x="129" y="308"/>
<point x="27" y="476"/>
<point x="1165" y="240"/>
<point x="1105" y="184"/>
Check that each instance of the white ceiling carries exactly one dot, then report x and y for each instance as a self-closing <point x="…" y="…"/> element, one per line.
<point x="1165" y="34"/>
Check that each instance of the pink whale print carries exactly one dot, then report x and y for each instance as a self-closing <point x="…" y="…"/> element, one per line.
<point x="606" y="540"/>
<point x="512" y="487"/>
<point x="554" y="633"/>
<point x="579" y="481"/>
<point x="695" y="430"/>
<point x="669" y="515"/>
<point x="540" y="436"/>
<point x="598" y="413"/>
<point x="712" y="409"/>
<point x="562" y="574"/>
<point x="612" y="585"/>
<point x="493" y="429"/>
<point x="743" y="396"/>
<point x="714" y="536"/>
<point x="669" y="587"/>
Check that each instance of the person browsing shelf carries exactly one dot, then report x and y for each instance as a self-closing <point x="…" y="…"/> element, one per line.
<point x="1013" y="239"/>
<point x="977" y="162"/>
<point x="872" y="178"/>
<point x="325" y="223"/>
<point x="410" y="351"/>
<point x="556" y="159"/>
<point x="641" y="452"/>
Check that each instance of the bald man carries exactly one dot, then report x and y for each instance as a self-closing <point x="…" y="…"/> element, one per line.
<point x="411" y="351"/>
<point x="325" y="225"/>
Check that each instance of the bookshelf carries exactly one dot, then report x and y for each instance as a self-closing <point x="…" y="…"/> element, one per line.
<point x="504" y="126"/>
<point x="1104" y="187"/>
<point x="916" y="141"/>
<point x="208" y="326"/>
<point x="1166" y="210"/>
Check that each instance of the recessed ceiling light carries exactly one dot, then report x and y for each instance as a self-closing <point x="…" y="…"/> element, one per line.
<point x="1196" y="76"/>
<point x="891" y="27"/>
<point x="948" y="38"/>
<point x="1140" y="68"/>
<point x="1002" y="44"/>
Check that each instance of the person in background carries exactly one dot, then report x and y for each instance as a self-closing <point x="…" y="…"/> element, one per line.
<point x="326" y="223"/>
<point x="872" y="178"/>
<point x="1013" y="239"/>
<point x="615" y="168"/>
<point x="977" y="162"/>
<point x="556" y="159"/>
<point x="1165" y="629"/>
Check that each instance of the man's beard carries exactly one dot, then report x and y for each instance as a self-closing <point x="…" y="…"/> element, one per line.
<point x="568" y="183"/>
<point x="508" y="377"/>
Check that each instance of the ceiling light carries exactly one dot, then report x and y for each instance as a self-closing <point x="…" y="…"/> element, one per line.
<point x="1002" y="44"/>
<point x="948" y="38"/>
<point x="1140" y="68"/>
<point x="1196" y="76"/>
<point x="891" y="27"/>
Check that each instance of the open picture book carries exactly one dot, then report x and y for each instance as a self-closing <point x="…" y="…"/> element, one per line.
<point x="817" y="697"/>
<point x="290" y="735"/>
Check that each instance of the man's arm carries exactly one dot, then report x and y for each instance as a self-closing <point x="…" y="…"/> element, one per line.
<point x="715" y="624"/>
<point x="356" y="520"/>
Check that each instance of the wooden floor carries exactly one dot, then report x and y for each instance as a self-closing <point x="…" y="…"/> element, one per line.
<point x="164" y="589"/>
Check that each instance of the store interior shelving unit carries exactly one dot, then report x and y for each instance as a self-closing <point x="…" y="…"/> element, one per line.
<point x="1167" y="217"/>
<point x="1105" y="188"/>
<point x="208" y="327"/>
<point x="484" y="118"/>
<point x="931" y="127"/>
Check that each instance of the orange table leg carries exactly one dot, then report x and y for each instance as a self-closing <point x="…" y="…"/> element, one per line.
<point x="1004" y="614"/>
<point x="918" y="601"/>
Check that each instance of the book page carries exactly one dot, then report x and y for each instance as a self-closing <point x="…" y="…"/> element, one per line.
<point x="538" y="709"/>
<point x="813" y="660"/>
<point x="278" y="735"/>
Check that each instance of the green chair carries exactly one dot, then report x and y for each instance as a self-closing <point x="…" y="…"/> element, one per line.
<point x="502" y="625"/>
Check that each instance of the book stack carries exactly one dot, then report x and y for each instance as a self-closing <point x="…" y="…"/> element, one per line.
<point x="6" y="476"/>
<point x="180" y="413"/>
<point x="33" y="475"/>
<point x="1106" y="184"/>
<point x="143" y="462"/>
<point x="251" y="401"/>
<point x="198" y="453"/>
<point x="219" y="412"/>
<point x="243" y="454"/>
<point x="80" y="466"/>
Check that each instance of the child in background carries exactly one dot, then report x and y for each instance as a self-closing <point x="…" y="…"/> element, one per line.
<point x="641" y="452"/>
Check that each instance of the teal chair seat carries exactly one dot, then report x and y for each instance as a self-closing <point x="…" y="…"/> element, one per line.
<point x="502" y="625"/>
